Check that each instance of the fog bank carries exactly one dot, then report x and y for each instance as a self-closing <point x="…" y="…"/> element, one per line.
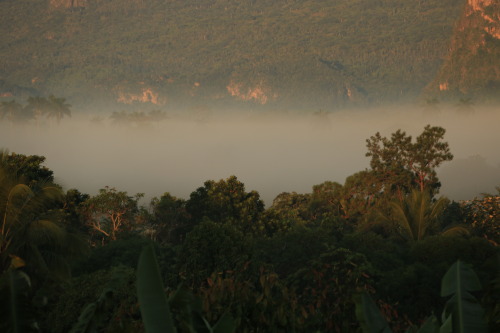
<point x="270" y="152"/>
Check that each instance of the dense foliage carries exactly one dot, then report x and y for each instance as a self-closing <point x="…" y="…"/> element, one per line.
<point x="226" y="260"/>
<point x="315" y="54"/>
<point x="51" y="107"/>
<point x="472" y="66"/>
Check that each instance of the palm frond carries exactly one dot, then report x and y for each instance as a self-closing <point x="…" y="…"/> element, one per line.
<point x="415" y="215"/>
<point x="421" y="201"/>
<point x="46" y="232"/>
<point x="401" y="217"/>
<point x="455" y="230"/>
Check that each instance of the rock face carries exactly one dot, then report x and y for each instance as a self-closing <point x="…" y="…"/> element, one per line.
<point x="146" y="95"/>
<point x="472" y="67"/>
<point x="68" y="3"/>
<point x="489" y="11"/>
<point x="258" y="93"/>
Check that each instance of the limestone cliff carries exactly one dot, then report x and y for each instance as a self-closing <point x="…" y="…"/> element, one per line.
<point x="472" y="67"/>
<point x="68" y="3"/>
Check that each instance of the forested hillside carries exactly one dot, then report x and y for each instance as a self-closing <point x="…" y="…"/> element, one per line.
<point x="473" y="65"/>
<point x="305" y="54"/>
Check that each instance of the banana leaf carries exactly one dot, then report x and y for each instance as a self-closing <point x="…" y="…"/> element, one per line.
<point x="462" y="312"/>
<point x="369" y="316"/>
<point x="153" y="302"/>
<point x="16" y="313"/>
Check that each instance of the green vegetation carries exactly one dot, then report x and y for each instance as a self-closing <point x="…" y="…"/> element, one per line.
<point x="363" y="255"/>
<point x="155" y="307"/>
<point x="300" y="54"/>
<point x="51" y="107"/>
<point x="471" y="68"/>
<point x="462" y="313"/>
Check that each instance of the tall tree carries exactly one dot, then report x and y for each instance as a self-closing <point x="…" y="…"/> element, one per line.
<point x="38" y="106"/>
<point x="58" y="108"/>
<point x="110" y="212"/>
<point x="287" y="210"/>
<point x="31" y="228"/>
<point x="327" y="199"/>
<point x="360" y="194"/>
<point x="427" y="154"/>
<point x="401" y="164"/>
<point x="226" y="201"/>
<point x="28" y="166"/>
<point x="170" y="220"/>
<point x="14" y="112"/>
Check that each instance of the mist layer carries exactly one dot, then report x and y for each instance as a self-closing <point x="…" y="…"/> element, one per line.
<point x="269" y="152"/>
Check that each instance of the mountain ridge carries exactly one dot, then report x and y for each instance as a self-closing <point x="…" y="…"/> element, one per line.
<point x="473" y="64"/>
<point x="258" y="54"/>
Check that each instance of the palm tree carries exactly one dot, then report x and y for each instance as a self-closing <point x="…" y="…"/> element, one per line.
<point x="58" y="108"/>
<point x="37" y="106"/>
<point x="417" y="216"/>
<point x="34" y="246"/>
<point x="30" y="228"/>
<point x="14" y="112"/>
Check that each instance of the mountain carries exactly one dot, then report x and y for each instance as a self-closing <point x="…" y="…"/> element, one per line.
<point x="307" y="54"/>
<point x="472" y="67"/>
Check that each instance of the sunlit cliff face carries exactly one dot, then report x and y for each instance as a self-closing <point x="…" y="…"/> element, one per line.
<point x="68" y="3"/>
<point x="269" y="152"/>
<point x="480" y="7"/>
<point x="146" y="95"/>
<point x="469" y="68"/>
<point x="257" y="93"/>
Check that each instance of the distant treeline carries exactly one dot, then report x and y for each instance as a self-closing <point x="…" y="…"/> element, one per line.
<point x="36" y="107"/>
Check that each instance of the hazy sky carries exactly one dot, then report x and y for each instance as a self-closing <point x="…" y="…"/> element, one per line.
<point x="269" y="152"/>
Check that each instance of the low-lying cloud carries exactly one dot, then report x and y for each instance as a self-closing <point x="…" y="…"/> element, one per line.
<point x="270" y="152"/>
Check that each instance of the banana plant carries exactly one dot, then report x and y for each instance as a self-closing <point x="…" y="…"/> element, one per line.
<point x="369" y="317"/>
<point x="94" y="315"/>
<point x="153" y="302"/>
<point x="16" y="312"/>
<point x="155" y="306"/>
<point x="462" y="313"/>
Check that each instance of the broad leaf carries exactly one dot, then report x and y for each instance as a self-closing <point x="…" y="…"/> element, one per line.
<point x="155" y="309"/>
<point x="226" y="324"/>
<point x="431" y="325"/>
<point x="462" y="313"/>
<point x="369" y="316"/>
<point x="459" y="278"/>
<point x="85" y="319"/>
<point x="16" y="314"/>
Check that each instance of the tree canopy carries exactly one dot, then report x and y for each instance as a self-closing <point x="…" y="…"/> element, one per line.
<point x="401" y="164"/>
<point x="110" y="212"/>
<point x="226" y="201"/>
